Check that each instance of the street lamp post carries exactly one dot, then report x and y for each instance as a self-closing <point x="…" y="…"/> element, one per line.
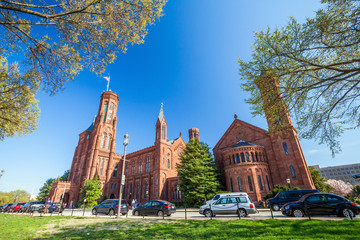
<point x="288" y="182"/>
<point x="122" y="181"/>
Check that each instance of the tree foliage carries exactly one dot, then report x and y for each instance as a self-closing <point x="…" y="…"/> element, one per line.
<point x="18" y="108"/>
<point x="198" y="174"/>
<point x="317" y="67"/>
<point x="91" y="191"/>
<point x="339" y="187"/>
<point x="14" y="196"/>
<point x="319" y="181"/>
<point x="54" y="40"/>
<point x="277" y="189"/>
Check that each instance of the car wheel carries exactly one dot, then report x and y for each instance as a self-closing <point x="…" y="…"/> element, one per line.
<point x="160" y="213"/>
<point x="242" y="213"/>
<point x="124" y="213"/>
<point x="275" y="207"/>
<point x="136" y="213"/>
<point x="111" y="212"/>
<point x="94" y="211"/>
<point x="347" y="213"/>
<point x="168" y="214"/>
<point x="298" y="213"/>
<point x="208" y="213"/>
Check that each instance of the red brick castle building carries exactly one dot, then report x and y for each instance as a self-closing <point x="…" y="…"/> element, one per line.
<point x="250" y="159"/>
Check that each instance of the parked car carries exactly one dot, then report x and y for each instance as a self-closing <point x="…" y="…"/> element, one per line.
<point x="284" y="197"/>
<point x="110" y="206"/>
<point x="15" y="207"/>
<point x="155" y="207"/>
<point x="218" y="196"/>
<point x="321" y="204"/>
<point x="36" y="207"/>
<point x="6" y="207"/>
<point x="26" y="206"/>
<point x="231" y="204"/>
<point x="54" y="207"/>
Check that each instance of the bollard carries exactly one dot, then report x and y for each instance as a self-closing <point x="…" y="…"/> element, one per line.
<point x="272" y="215"/>
<point x="185" y="211"/>
<point x="72" y="210"/>
<point x="211" y="214"/>
<point x="84" y="210"/>
<point x="163" y="215"/>
<point x="238" y="210"/>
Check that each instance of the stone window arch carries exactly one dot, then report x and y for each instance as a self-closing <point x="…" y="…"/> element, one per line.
<point x="115" y="170"/>
<point x="250" y="184"/>
<point x="285" y="148"/>
<point x="102" y="140"/>
<point x="140" y="166"/>
<point x="292" y="172"/>
<point x="247" y="157"/>
<point x="256" y="156"/>
<point x="239" y="184"/>
<point x="252" y="157"/>
<point x="242" y="157"/>
<point x="237" y="158"/>
<point x="168" y="163"/>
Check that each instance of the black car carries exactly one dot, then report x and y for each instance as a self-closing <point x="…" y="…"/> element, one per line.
<point x="110" y="206"/>
<point x="321" y="204"/>
<point x="27" y="206"/>
<point x="155" y="207"/>
<point x="284" y="197"/>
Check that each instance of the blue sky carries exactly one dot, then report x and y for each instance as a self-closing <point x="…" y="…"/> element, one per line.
<point x="188" y="62"/>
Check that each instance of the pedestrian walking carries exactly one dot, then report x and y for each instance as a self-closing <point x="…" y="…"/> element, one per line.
<point x="47" y="205"/>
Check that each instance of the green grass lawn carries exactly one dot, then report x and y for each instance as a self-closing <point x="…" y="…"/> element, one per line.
<point x="25" y="227"/>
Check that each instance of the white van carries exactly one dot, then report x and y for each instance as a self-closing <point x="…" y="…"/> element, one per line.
<point x="218" y="196"/>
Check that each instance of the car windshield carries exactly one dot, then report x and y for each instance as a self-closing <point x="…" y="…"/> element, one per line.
<point x="165" y="202"/>
<point x="305" y="196"/>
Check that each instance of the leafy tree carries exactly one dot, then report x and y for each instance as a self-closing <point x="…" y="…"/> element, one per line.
<point x="18" y="108"/>
<point x="54" y="40"/>
<point x="45" y="189"/>
<point x="91" y="191"/>
<point x="319" y="181"/>
<point x="356" y="191"/>
<point x="339" y="187"/>
<point x="14" y="196"/>
<point x="317" y="67"/>
<point x="279" y="188"/>
<point x="198" y="174"/>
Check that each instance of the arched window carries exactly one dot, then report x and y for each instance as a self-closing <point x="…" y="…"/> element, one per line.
<point x="105" y="111"/>
<point x="229" y="160"/>
<point x="137" y="191"/>
<point x="130" y="191"/>
<point x="108" y="120"/>
<point x="133" y="168"/>
<point x="239" y="183"/>
<point x="267" y="181"/>
<point x="126" y="170"/>
<point x="140" y="166"/>
<point x="285" y="148"/>
<point x="108" y="141"/>
<point x="101" y="166"/>
<point x="260" y="183"/>
<point x="163" y="132"/>
<point x="146" y="190"/>
<point x="157" y="182"/>
<point x="115" y="186"/>
<point x="252" y="157"/>
<point x="231" y="185"/>
<point x="168" y="163"/>
<point x="102" y="140"/>
<point x="148" y="164"/>
<point x="247" y="157"/>
<point x="250" y="184"/>
<point x="233" y="159"/>
<point x="158" y="134"/>
<point x="157" y="160"/>
<point x="292" y="172"/>
<point x="115" y="170"/>
<point x="242" y="157"/>
<point x="237" y="158"/>
<point x="256" y="156"/>
<point x="163" y="160"/>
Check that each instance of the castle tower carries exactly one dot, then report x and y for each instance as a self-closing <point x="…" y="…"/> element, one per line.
<point x="289" y="161"/>
<point x="161" y="127"/>
<point x="194" y="134"/>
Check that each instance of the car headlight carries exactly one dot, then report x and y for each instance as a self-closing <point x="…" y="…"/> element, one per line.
<point x="287" y="207"/>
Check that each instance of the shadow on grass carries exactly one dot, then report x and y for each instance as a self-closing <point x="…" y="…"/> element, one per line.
<point x="213" y="229"/>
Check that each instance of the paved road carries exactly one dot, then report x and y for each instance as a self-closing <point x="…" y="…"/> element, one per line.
<point x="194" y="215"/>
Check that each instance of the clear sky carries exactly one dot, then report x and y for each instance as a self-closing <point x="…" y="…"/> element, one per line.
<point x="188" y="62"/>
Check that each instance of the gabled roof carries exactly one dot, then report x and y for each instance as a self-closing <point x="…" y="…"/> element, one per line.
<point x="172" y="141"/>
<point x="236" y="123"/>
<point x="242" y="143"/>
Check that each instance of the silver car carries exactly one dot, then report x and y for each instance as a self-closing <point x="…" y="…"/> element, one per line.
<point x="230" y="205"/>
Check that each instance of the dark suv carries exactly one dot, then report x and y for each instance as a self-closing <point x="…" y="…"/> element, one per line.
<point x="284" y="197"/>
<point x="27" y="206"/>
<point x="110" y="206"/>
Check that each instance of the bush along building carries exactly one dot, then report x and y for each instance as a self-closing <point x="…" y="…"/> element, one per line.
<point x="150" y="172"/>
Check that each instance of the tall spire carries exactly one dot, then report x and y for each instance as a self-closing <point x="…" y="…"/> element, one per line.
<point x="161" y="114"/>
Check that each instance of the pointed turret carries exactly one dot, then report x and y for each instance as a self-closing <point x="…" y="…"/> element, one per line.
<point x="161" y="126"/>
